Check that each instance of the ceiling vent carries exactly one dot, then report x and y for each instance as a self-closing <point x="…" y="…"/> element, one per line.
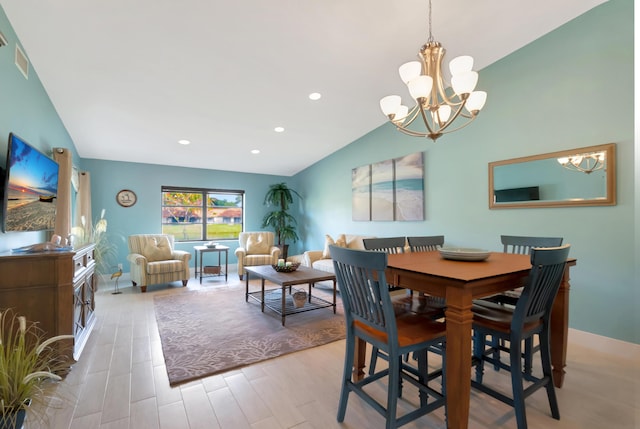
<point x="3" y="40"/>
<point x="22" y="62"/>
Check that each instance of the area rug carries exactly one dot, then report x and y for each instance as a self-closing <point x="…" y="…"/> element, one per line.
<point x="205" y="332"/>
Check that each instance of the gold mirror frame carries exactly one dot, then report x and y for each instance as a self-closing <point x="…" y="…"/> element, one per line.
<point x="608" y="172"/>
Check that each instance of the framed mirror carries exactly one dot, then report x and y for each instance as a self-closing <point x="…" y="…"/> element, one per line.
<point x="576" y="177"/>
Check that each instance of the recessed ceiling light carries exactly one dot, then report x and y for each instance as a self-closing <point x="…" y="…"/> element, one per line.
<point x="255" y="151"/>
<point x="184" y="142"/>
<point x="315" y="96"/>
<point x="278" y="129"/>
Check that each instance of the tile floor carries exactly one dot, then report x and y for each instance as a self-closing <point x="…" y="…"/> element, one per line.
<point x="120" y="382"/>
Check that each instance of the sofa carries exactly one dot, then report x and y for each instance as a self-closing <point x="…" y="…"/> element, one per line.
<point x="256" y="248"/>
<point x="154" y="260"/>
<point x="321" y="259"/>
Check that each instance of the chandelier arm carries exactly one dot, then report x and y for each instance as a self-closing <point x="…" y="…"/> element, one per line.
<point x="456" y="129"/>
<point x="410" y="132"/>
<point x="424" y="118"/>
<point x="454" y="117"/>
<point x="412" y="115"/>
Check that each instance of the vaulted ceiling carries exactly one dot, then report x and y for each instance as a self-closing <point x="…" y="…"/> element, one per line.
<point x="131" y="78"/>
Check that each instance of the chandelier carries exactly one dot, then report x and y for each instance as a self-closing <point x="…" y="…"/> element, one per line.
<point x="584" y="162"/>
<point x="437" y="104"/>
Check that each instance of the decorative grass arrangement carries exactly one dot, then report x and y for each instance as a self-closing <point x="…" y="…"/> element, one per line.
<point x="27" y="363"/>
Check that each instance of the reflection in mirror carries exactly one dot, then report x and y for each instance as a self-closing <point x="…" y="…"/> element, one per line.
<point x="575" y="177"/>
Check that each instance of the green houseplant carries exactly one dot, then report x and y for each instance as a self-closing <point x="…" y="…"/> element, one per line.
<point x="27" y="363"/>
<point x="280" y="196"/>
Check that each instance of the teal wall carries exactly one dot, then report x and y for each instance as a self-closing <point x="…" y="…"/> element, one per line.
<point x="146" y="180"/>
<point x="571" y="88"/>
<point x="25" y="109"/>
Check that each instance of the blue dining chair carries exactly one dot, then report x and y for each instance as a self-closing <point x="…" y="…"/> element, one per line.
<point x="427" y="305"/>
<point x="530" y="317"/>
<point x="425" y="243"/>
<point x="521" y="245"/>
<point x="370" y="316"/>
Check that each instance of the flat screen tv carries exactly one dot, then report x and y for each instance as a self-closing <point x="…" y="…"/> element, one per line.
<point x="31" y="187"/>
<point x="531" y="193"/>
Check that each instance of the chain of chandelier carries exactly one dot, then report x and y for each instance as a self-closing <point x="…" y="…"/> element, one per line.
<point x="442" y="108"/>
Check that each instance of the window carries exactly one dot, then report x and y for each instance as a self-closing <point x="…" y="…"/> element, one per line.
<point x="193" y="214"/>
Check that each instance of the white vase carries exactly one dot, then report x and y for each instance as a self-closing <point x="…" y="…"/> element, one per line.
<point x="299" y="299"/>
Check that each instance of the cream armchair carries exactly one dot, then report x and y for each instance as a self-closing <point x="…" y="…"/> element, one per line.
<point x="154" y="261"/>
<point x="256" y="248"/>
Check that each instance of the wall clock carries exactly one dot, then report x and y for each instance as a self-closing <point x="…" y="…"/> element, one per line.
<point x="126" y="198"/>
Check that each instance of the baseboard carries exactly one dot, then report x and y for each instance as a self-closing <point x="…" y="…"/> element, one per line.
<point x="600" y="342"/>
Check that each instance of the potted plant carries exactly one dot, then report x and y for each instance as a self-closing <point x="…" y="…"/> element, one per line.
<point x="27" y="363"/>
<point x="280" y="196"/>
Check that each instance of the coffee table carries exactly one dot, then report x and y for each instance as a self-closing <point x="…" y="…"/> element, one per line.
<point x="270" y="298"/>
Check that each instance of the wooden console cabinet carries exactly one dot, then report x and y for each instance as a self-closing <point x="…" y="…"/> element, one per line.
<point x="55" y="289"/>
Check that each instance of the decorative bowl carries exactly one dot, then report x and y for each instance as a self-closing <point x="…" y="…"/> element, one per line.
<point x="286" y="268"/>
<point x="464" y="254"/>
<point x="211" y="245"/>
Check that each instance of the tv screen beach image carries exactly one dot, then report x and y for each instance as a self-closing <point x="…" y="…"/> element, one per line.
<point x="32" y="187"/>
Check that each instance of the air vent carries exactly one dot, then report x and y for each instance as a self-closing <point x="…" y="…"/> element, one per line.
<point x="22" y="62"/>
<point x="3" y="40"/>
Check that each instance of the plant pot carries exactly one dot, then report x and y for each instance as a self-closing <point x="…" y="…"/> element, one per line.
<point x="13" y="420"/>
<point x="284" y="250"/>
<point x="299" y="299"/>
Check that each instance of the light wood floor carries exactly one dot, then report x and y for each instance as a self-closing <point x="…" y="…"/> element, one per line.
<point x="120" y="382"/>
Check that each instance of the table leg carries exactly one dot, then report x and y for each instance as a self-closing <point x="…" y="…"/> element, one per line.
<point x="458" y="357"/>
<point x="226" y="265"/>
<point x="195" y="272"/>
<point x="201" y="266"/>
<point x="284" y="298"/>
<point x="262" y="296"/>
<point x="559" y="330"/>
<point x="360" y="354"/>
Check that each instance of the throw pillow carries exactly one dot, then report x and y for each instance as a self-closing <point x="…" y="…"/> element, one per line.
<point x="257" y="245"/>
<point x="340" y="242"/>
<point x="157" y="249"/>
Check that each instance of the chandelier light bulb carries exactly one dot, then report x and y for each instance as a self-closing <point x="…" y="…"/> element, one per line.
<point x="409" y="71"/>
<point x="401" y="114"/>
<point x="420" y="87"/>
<point x="464" y="83"/>
<point x="461" y="64"/>
<point x="390" y="104"/>
<point x="476" y="101"/>
<point x="442" y="114"/>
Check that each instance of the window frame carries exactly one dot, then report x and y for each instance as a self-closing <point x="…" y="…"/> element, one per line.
<point x="204" y="192"/>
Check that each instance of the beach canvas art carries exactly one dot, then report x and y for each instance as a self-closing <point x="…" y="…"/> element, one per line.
<point x="409" y="187"/>
<point x="389" y="190"/>
<point x="31" y="189"/>
<point x="361" y="193"/>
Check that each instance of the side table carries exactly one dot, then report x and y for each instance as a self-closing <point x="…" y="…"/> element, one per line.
<point x="200" y="250"/>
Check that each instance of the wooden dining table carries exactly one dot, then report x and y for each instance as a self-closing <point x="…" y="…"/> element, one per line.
<point x="460" y="282"/>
